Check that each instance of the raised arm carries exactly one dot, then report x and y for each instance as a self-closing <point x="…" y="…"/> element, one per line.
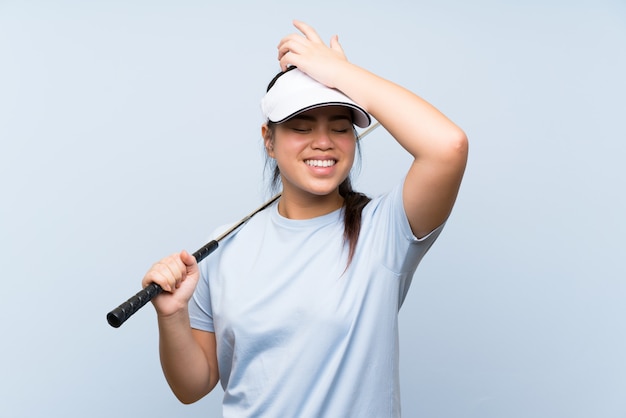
<point x="438" y="146"/>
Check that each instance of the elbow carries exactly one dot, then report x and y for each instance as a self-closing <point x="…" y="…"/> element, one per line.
<point x="456" y="148"/>
<point x="186" y="399"/>
<point x="460" y="142"/>
<point x="187" y="396"/>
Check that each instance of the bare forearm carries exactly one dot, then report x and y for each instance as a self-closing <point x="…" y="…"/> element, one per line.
<point x="184" y="363"/>
<point x="418" y="126"/>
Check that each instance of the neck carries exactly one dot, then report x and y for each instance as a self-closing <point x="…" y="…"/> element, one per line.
<point x="307" y="206"/>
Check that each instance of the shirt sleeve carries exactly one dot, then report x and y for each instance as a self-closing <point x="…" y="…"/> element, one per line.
<point x="401" y="251"/>
<point x="200" y="310"/>
<point x="408" y="259"/>
<point x="200" y="307"/>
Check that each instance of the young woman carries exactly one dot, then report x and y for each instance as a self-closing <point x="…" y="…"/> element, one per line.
<point x="296" y="313"/>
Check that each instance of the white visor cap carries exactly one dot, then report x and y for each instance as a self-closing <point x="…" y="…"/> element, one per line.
<point x="295" y="92"/>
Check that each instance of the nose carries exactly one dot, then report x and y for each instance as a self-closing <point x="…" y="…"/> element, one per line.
<point x="321" y="139"/>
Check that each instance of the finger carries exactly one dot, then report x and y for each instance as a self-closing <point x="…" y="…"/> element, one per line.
<point x="307" y="31"/>
<point x="169" y="272"/>
<point x="285" y="61"/>
<point x="165" y="280"/>
<point x="179" y="270"/>
<point x="283" y="49"/>
<point x="289" y="55"/>
<point x="160" y="275"/>
<point x="291" y="59"/>
<point x="292" y="43"/>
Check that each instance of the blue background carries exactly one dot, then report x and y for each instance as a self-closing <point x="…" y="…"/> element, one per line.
<point x="131" y="129"/>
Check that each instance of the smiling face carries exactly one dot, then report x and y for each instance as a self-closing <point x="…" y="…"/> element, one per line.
<point x="314" y="151"/>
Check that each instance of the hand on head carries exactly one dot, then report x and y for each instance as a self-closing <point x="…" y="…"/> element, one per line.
<point x="310" y="54"/>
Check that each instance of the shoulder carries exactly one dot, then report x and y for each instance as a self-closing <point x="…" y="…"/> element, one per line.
<point x="385" y="205"/>
<point x="387" y="213"/>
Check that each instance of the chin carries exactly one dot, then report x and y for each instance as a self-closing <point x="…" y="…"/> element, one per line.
<point x="318" y="187"/>
<point x="323" y="190"/>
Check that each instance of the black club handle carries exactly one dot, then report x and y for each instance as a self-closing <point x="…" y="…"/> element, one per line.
<point x="119" y="315"/>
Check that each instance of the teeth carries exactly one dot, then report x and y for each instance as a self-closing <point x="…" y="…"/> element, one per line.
<point x="320" y="163"/>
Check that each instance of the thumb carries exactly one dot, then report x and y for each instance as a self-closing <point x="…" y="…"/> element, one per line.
<point x="334" y="44"/>
<point x="189" y="261"/>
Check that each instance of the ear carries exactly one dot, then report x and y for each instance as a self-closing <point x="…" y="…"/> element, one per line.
<point x="267" y="140"/>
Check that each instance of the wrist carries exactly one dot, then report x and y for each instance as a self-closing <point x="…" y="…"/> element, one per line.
<point x="175" y="318"/>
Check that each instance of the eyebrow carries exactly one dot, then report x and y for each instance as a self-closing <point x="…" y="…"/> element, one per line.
<point x="331" y="118"/>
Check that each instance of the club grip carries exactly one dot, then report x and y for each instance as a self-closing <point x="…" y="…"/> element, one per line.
<point x="119" y="315"/>
<point x="206" y="250"/>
